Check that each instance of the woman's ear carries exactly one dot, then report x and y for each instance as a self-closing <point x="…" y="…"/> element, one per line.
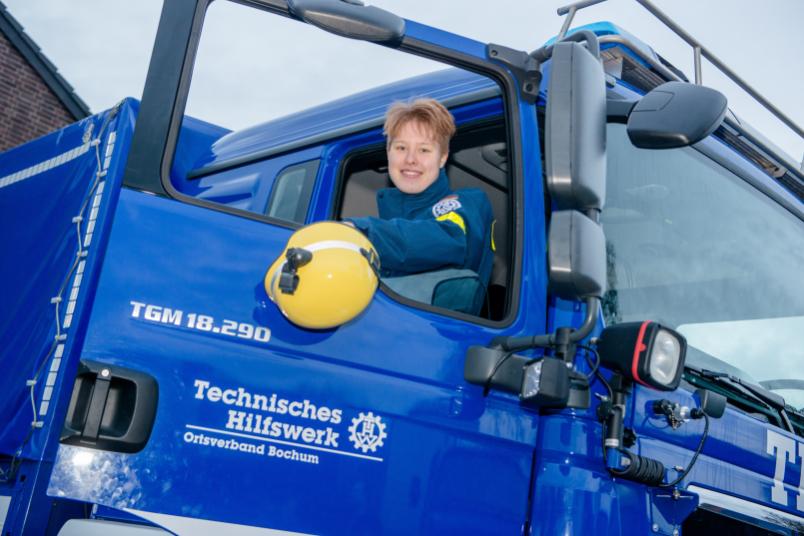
<point x="443" y="160"/>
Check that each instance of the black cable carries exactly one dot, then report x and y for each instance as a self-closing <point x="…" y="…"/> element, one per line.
<point x="605" y="383"/>
<point x="593" y="366"/>
<point x="640" y="469"/>
<point x="686" y="471"/>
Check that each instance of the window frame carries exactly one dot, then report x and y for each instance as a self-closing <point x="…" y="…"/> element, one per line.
<point x="337" y="201"/>
<point x="165" y="96"/>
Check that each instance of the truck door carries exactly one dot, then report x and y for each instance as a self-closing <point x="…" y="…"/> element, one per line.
<point x="197" y="405"/>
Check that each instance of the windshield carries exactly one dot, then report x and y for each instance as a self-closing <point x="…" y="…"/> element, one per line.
<point x="693" y="246"/>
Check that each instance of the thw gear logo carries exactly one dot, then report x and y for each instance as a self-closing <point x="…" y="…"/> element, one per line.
<point x="367" y="432"/>
<point x="446" y="205"/>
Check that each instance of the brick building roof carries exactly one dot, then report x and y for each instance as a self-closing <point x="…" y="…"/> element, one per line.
<point x="34" y="98"/>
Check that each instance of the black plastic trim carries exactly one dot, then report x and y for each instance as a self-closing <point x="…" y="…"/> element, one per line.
<point x="490" y="367"/>
<point x="524" y="67"/>
<point x="164" y="96"/>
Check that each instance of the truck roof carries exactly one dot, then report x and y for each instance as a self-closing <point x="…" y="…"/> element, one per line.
<point x="364" y="109"/>
<point x="356" y="112"/>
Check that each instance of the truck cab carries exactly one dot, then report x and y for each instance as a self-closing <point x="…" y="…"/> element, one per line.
<point x="153" y="386"/>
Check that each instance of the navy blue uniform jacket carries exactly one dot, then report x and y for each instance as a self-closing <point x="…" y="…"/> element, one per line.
<point x="431" y="230"/>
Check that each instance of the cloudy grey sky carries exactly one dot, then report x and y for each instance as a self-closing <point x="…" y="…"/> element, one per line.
<point x="102" y="48"/>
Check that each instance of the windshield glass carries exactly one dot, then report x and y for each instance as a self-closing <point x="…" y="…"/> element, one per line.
<point x="693" y="246"/>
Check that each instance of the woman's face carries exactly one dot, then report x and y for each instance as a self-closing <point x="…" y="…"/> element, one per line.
<point x="414" y="158"/>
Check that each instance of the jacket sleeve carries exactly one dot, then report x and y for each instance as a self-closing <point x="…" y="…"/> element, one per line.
<point x="412" y="246"/>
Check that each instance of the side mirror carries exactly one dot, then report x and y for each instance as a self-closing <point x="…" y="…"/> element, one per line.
<point x="711" y="403"/>
<point x="576" y="257"/>
<point x="575" y="161"/>
<point x="675" y="114"/>
<point x="575" y="144"/>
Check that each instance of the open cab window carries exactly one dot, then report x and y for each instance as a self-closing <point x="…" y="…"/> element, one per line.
<point x="478" y="159"/>
<point x="293" y="135"/>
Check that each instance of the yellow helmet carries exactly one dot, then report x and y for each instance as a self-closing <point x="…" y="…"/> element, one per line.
<point x="326" y="275"/>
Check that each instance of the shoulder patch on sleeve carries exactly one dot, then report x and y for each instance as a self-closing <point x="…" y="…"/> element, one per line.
<point x="455" y="218"/>
<point x="446" y="205"/>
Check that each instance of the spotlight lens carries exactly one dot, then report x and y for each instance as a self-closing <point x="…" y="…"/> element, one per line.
<point x="530" y="384"/>
<point x="665" y="357"/>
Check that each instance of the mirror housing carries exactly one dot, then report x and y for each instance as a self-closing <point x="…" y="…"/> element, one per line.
<point x="575" y="167"/>
<point x="675" y="114"/>
<point x="576" y="256"/>
<point x="540" y="383"/>
<point x="575" y="144"/>
<point x="710" y="403"/>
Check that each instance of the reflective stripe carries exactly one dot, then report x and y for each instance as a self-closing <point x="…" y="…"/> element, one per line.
<point x="455" y="218"/>
<point x="320" y="246"/>
<point x="41" y="167"/>
<point x="493" y="247"/>
<point x="332" y="244"/>
<point x="79" y="273"/>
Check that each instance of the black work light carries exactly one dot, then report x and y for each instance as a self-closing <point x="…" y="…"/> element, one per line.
<point x="647" y="352"/>
<point x="545" y="383"/>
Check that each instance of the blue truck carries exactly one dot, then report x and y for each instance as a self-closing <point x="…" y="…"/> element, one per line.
<point x="636" y="367"/>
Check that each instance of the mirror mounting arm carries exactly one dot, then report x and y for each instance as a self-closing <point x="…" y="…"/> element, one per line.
<point x="562" y="337"/>
<point x="583" y="36"/>
<point x="617" y="111"/>
<point x="525" y="68"/>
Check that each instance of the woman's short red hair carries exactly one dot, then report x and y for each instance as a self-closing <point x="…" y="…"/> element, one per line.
<point x="429" y="113"/>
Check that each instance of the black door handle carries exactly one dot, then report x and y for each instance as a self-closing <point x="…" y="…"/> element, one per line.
<point x="111" y="408"/>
